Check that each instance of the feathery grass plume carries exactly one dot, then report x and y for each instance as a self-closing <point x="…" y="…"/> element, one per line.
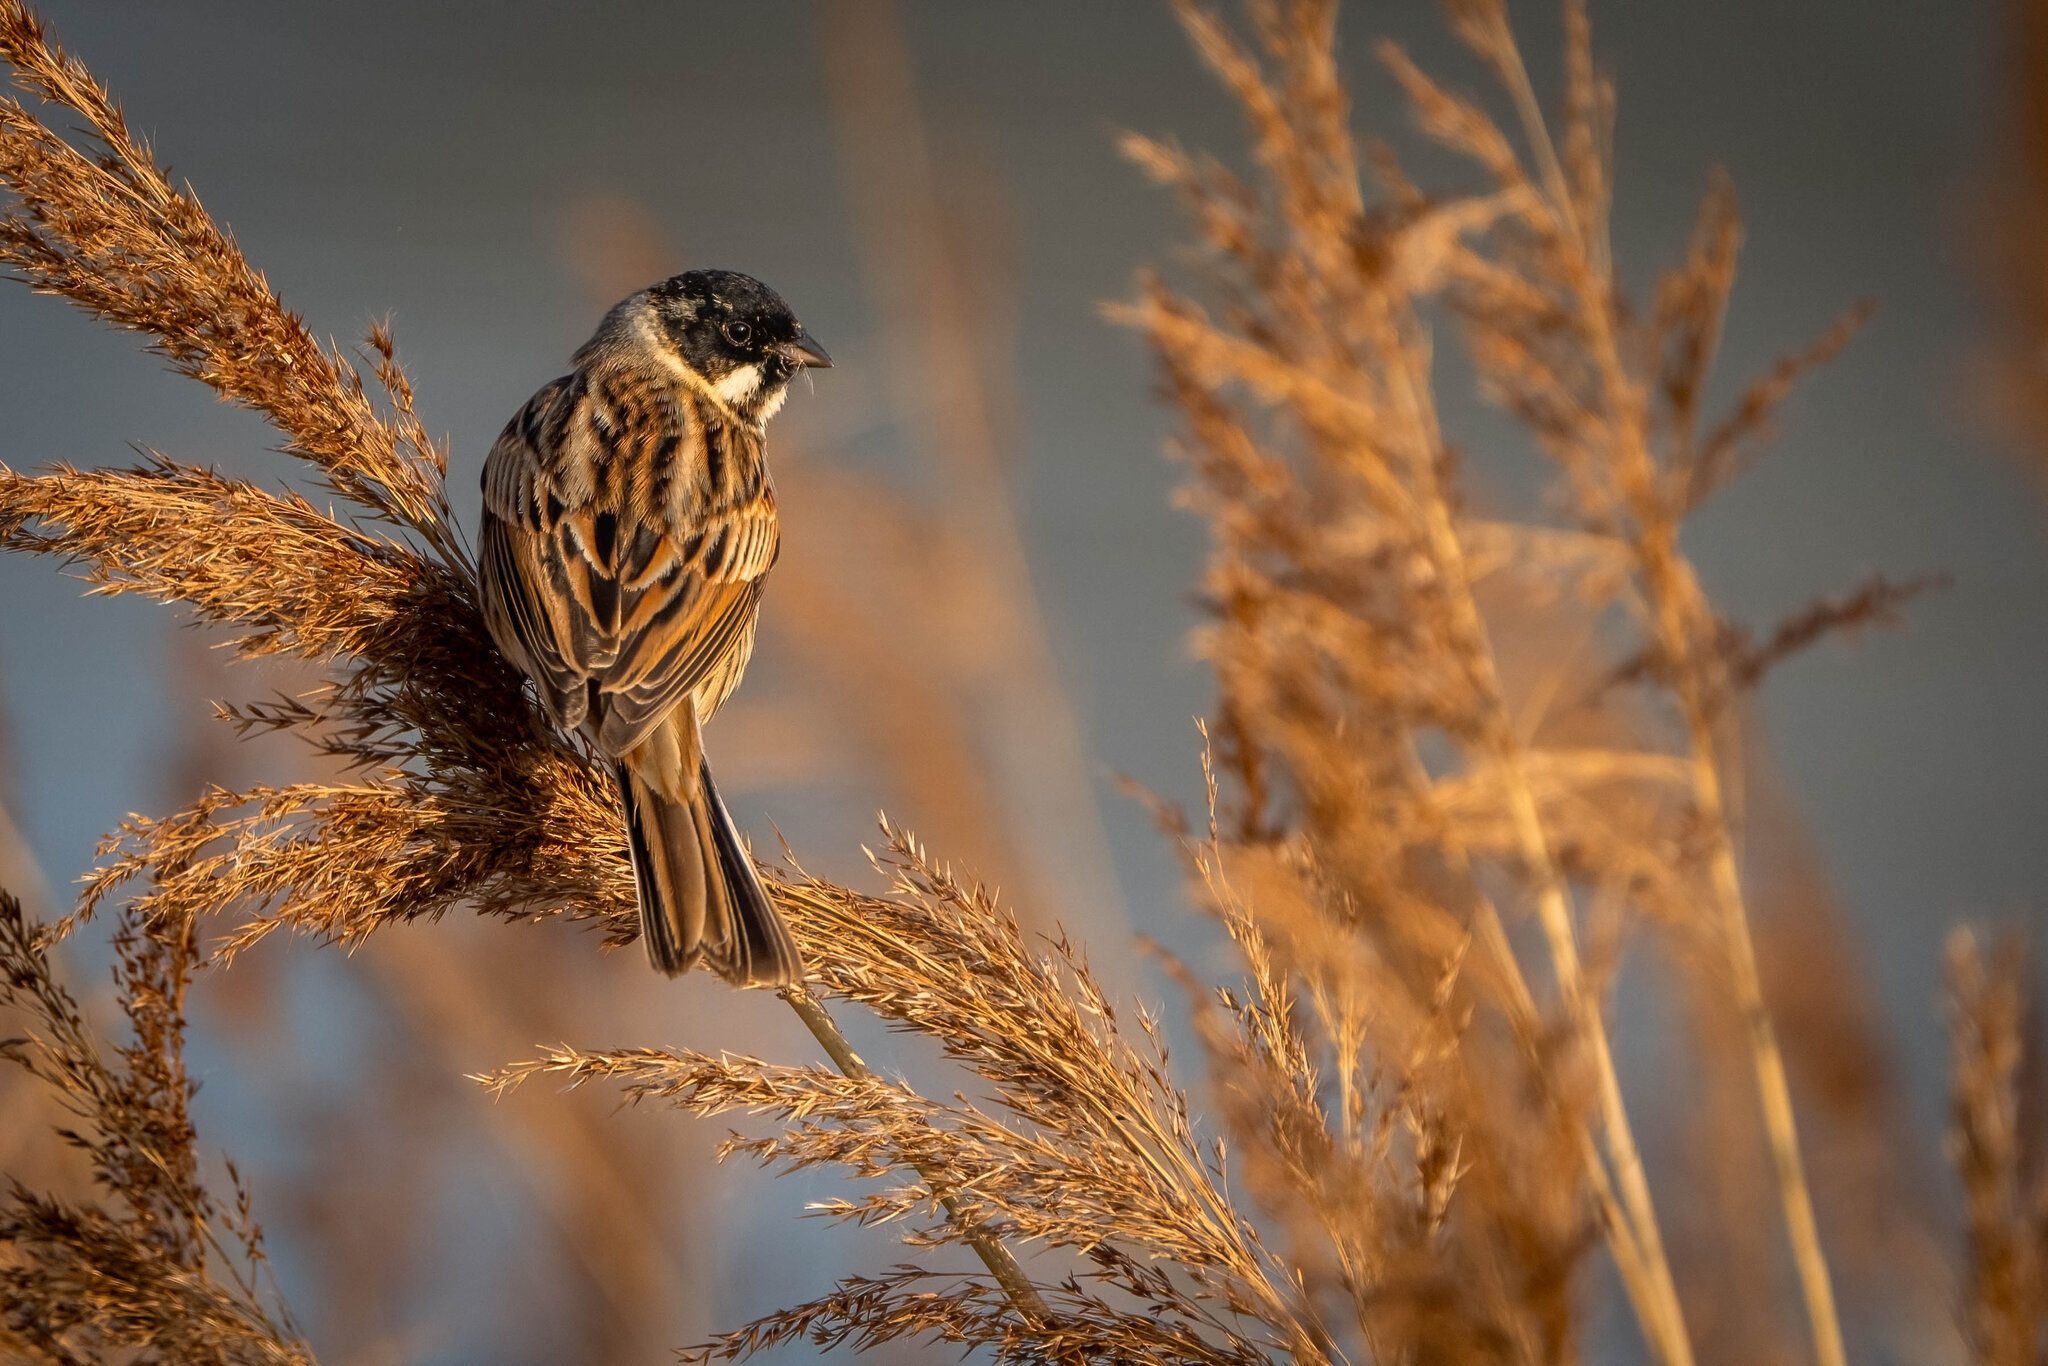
<point x="1081" y="1142"/>
<point x="104" y="227"/>
<point x="153" y="1263"/>
<point x="1400" y="800"/>
<point x="464" y="799"/>
<point x="460" y="797"/>
<point x="465" y="802"/>
<point x="2005" y="1304"/>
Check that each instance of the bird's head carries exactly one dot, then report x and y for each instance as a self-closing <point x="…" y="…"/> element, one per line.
<point x="728" y="330"/>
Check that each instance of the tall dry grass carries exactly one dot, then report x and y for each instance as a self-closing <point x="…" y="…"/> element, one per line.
<point x="1464" y="763"/>
<point x="151" y="1258"/>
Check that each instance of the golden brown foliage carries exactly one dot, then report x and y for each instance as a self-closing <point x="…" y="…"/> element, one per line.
<point x="1461" y="760"/>
<point x="464" y="800"/>
<point x="152" y="1262"/>
<point x="1396" y="792"/>
<point x="2005" y="1195"/>
<point x="1080" y="1141"/>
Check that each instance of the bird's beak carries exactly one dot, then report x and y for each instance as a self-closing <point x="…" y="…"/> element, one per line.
<point x="805" y="351"/>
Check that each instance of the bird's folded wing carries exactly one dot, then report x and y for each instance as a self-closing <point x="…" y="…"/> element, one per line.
<point x="684" y="609"/>
<point x="593" y="592"/>
<point x="525" y="599"/>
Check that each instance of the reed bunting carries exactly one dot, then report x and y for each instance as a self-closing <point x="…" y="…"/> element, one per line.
<point x="628" y="524"/>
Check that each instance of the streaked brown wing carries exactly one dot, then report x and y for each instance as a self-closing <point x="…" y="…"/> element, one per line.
<point x="597" y="576"/>
<point x="523" y="604"/>
<point x="685" y="609"/>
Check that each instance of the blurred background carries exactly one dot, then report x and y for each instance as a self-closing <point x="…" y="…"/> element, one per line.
<point x="979" y="621"/>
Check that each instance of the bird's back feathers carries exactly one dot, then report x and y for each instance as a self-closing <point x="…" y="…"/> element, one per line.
<point x="627" y="528"/>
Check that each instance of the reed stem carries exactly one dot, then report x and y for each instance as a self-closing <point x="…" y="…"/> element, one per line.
<point x="1000" y="1261"/>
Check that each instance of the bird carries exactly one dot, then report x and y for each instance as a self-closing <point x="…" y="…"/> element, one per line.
<point x="628" y="527"/>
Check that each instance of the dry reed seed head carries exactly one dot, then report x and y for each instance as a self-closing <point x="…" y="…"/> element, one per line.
<point x="294" y="580"/>
<point x="102" y="226"/>
<point x="1092" y="1150"/>
<point x="1080" y="1090"/>
<point x="1364" y="690"/>
<point x="151" y="1261"/>
<point x="1691" y="302"/>
<point x="2005" y="1304"/>
<point x="466" y="802"/>
<point x="1459" y="124"/>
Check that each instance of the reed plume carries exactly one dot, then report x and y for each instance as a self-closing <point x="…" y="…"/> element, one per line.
<point x="1399" y="802"/>
<point x="1994" y="1044"/>
<point x="461" y="799"/>
<point x="152" y="1260"/>
<point x="2005" y="1193"/>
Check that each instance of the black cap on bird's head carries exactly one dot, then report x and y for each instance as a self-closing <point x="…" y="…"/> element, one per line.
<point x="732" y="332"/>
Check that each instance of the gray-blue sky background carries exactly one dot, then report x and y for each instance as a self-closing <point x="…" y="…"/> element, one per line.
<point x="421" y="161"/>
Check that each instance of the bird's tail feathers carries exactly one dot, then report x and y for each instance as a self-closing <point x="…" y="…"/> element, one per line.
<point x="700" y="895"/>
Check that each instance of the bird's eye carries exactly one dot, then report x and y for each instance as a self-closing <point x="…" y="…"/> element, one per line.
<point x="738" y="333"/>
